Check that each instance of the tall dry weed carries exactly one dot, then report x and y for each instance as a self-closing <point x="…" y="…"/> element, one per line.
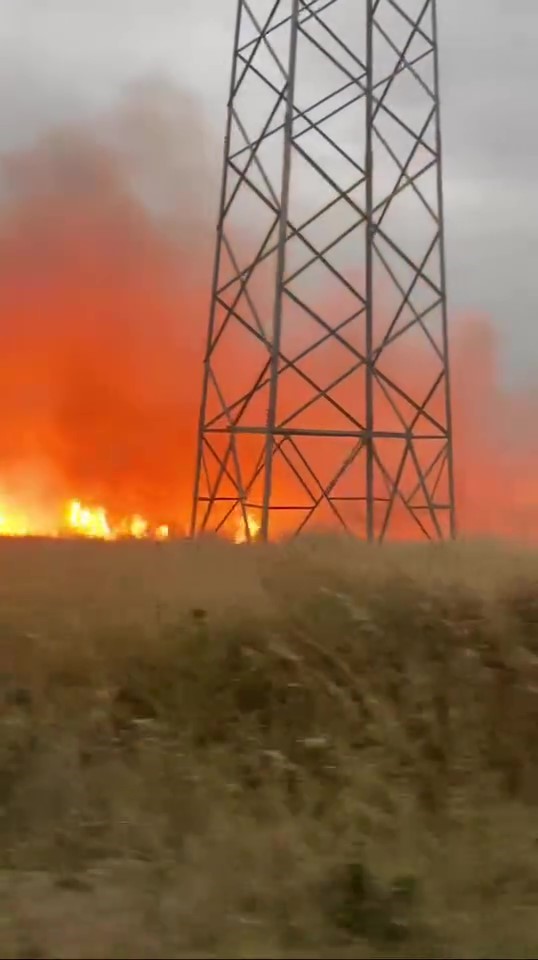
<point x="315" y="749"/>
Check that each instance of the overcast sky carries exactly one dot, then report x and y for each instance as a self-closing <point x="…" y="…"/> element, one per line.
<point x="65" y="59"/>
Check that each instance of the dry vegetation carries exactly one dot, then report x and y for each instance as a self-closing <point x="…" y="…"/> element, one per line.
<point x="316" y="750"/>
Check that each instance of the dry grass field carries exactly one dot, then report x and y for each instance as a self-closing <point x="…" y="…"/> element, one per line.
<point x="310" y="750"/>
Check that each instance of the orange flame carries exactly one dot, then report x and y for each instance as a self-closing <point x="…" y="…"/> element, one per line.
<point x="88" y="522"/>
<point x="79" y="520"/>
<point x="12" y="524"/>
<point x="254" y="528"/>
<point x="94" y="523"/>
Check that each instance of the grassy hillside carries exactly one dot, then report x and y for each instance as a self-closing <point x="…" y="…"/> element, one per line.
<point x="314" y="750"/>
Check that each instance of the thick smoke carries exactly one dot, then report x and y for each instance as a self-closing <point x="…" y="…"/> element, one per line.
<point x="496" y="438"/>
<point x="106" y="238"/>
<point x="104" y="241"/>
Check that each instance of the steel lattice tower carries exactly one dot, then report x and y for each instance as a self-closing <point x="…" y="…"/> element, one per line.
<point x="326" y="394"/>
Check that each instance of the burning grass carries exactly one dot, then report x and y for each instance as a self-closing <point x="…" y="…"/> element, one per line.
<point x="308" y="750"/>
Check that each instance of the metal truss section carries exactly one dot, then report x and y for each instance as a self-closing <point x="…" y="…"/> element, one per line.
<point x="326" y="395"/>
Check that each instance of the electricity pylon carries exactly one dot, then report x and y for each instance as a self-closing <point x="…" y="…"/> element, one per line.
<point x="326" y="391"/>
